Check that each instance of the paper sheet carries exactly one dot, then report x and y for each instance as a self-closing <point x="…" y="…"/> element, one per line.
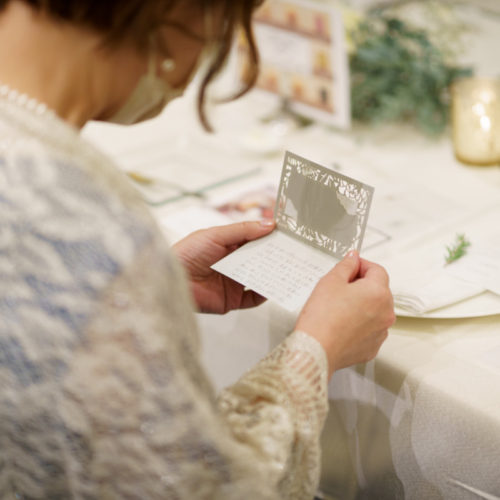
<point x="278" y="267"/>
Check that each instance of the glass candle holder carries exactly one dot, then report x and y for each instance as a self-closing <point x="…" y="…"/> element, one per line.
<point x="476" y="121"/>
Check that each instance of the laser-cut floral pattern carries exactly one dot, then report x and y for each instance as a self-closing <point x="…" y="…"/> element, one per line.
<point x="321" y="207"/>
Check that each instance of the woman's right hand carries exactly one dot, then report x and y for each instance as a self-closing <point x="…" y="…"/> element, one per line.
<point x="349" y="312"/>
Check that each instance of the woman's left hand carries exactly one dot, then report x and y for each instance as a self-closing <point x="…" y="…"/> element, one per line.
<point x="212" y="291"/>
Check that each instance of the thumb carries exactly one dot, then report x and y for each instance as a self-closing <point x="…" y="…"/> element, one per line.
<point x="348" y="268"/>
<point x="241" y="232"/>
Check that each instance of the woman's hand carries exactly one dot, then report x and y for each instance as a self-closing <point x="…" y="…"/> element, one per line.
<point x="349" y="312"/>
<point x="212" y="291"/>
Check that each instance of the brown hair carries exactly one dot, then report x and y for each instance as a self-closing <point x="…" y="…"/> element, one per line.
<point x="118" y="20"/>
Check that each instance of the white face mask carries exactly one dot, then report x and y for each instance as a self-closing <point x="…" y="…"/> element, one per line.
<point x="150" y="96"/>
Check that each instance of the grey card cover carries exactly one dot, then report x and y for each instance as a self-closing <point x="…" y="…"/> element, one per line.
<point x="321" y="207"/>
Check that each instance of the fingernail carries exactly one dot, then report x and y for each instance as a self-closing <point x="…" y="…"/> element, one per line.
<point x="267" y="222"/>
<point x="352" y="253"/>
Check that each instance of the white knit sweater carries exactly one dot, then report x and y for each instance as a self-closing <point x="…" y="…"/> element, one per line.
<point x="102" y="394"/>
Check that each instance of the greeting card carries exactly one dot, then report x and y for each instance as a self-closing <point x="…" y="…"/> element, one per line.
<point x="320" y="215"/>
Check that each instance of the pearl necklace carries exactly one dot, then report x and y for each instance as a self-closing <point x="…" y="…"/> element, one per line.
<point x="24" y="101"/>
<point x="26" y="120"/>
<point x="36" y="119"/>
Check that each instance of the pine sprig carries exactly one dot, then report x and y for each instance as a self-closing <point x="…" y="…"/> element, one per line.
<point x="458" y="249"/>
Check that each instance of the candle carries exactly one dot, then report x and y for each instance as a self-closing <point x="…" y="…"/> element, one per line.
<point x="476" y="121"/>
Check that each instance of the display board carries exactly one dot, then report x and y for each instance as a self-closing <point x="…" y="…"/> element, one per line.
<point x="303" y="58"/>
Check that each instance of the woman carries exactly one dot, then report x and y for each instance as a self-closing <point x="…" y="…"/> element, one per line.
<point x="102" y="394"/>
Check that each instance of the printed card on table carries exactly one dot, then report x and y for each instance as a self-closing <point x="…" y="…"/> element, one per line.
<point x="321" y="215"/>
<point x="304" y="58"/>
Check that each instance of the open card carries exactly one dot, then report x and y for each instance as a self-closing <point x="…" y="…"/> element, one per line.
<point x="321" y="215"/>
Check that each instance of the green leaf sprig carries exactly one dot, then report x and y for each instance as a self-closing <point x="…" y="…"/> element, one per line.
<point x="398" y="74"/>
<point x="458" y="249"/>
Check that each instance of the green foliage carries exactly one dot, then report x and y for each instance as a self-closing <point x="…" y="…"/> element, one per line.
<point x="399" y="75"/>
<point x="458" y="249"/>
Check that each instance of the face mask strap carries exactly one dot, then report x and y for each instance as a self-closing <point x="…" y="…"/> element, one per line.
<point x="208" y="20"/>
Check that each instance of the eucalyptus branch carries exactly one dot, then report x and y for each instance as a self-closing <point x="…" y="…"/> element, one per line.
<point x="389" y="4"/>
<point x="399" y="74"/>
